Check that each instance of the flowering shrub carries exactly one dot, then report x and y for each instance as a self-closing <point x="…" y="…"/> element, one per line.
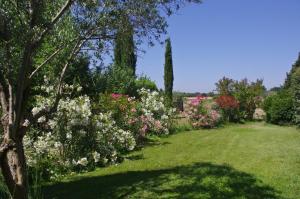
<point x="259" y="114"/>
<point x="153" y="116"/>
<point x="229" y="106"/>
<point x="121" y="107"/>
<point x="202" y="113"/>
<point x="82" y="135"/>
<point x="73" y="138"/>
<point x="227" y="102"/>
<point x="143" y="116"/>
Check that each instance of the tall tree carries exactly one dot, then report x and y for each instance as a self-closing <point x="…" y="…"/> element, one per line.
<point x="295" y="89"/>
<point x="225" y="86"/>
<point x="168" y="73"/>
<point x="288" y="80"/>
<point x="35" y="35"/>
<point x="124" y="51"/>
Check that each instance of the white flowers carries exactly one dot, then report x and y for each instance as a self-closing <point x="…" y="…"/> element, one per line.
<point x="157" y="116"/>
<point x="111" y="136"/>
<point x="57" y="144"/>
<point x="69" y="135"/>
<point x="35" y="110"/>
<point x="42" y="145"/>
<point x="96" y="156"/>
<point x="73" y="136"/>
<point x="42" y="119"/>
<point x="164" y="117"/>
<point x="82" y="162"/>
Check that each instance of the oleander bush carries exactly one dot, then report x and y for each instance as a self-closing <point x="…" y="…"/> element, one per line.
<point x="82" y="134"/>
<point x="154" y="116"/>
<point x="229" y="107"/>
<point x="203" y="113"/>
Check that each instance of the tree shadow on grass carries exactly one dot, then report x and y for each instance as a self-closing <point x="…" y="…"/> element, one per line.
<point x="200" y="180"/>
<point x="135" y="157"/>
<point x="149" y="143"/>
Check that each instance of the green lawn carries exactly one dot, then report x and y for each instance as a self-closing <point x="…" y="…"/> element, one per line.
<point x="254" y="160"/>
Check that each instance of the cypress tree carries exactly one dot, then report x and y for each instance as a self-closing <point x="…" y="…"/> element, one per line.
<point x="168" y="73"/>
<point x="124" y="51"/>
<point x="288" y="80"/>
<point x="118" y="49"/>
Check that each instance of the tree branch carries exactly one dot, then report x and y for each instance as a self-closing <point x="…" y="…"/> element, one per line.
<point x="54" y="20"/>
<point x="50" y="109"/>
<point x="5" y="146"/>
<point x="45" y="62"/>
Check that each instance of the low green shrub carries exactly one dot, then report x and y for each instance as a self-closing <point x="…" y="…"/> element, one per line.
<point x="279" y="108"/>
<point x="145" y="82"/>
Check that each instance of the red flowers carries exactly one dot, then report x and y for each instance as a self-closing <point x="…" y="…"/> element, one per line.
<point x="227" y="102"/>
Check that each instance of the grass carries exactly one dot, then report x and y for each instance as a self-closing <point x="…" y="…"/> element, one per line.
<point x="254" y="160"/>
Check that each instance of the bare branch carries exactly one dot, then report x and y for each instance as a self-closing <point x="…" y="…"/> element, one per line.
<point x="73" y="53"/>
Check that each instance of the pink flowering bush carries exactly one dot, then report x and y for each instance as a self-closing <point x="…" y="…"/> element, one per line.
<point x="122" y="107"/>
<point x="202" y="113"/>
<point x="154" y="117"/>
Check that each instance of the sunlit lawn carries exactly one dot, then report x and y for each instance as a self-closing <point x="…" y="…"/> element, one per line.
<point x="254" y="160"/>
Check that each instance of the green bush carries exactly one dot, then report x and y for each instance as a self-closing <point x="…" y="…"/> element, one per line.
<point x="145" y="82"/>
<point x="120" y="80"/>
<point x="279" y="108"/>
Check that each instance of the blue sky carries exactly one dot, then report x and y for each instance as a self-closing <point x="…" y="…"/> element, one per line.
<point x="233" y="38"/>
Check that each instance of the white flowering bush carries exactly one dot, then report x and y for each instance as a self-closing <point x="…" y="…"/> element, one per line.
<point x="81" y="135"/>
<point x="73" y="138"/>
<point x="154" y="117"/>
<point x="111" y="139"/>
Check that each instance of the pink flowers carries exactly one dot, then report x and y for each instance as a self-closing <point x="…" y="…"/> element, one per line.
<point x="143" y="130"/>
<point x="116" y="96"/>
<point x="158" y="124"/>
<point x="196" y="101"/>
<point x="132" y="121"/>
<point x="201" y="113"/>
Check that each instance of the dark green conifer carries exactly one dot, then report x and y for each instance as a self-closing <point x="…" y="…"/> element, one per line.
<point x="124" y="51"/>
<point x="168" y="73"/>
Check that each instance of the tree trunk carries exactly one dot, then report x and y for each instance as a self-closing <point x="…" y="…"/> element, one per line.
<point x="13" y="166"/>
